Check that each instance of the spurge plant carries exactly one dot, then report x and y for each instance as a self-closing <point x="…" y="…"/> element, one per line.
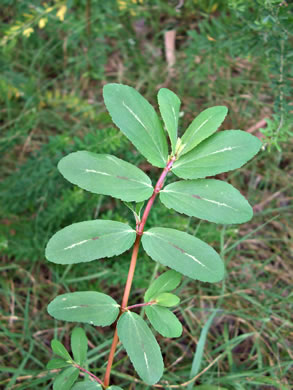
<point x="199" y="153"/>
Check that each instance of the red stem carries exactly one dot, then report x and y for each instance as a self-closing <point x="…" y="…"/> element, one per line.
<point x="89" y="373"/>
<point x="139" y="232"/>
<point x="157" y="189"/>
<point x="140" y="305"/>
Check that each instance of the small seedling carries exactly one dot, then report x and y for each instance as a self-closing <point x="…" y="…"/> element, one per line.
<point x="201" y="152"/>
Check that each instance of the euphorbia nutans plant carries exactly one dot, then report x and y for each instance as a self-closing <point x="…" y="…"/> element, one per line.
<point x="201" y="152"/>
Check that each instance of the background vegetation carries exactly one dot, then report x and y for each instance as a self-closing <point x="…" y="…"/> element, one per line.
<point x="55" y="58"/>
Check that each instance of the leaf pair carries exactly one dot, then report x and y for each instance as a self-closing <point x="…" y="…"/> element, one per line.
<point x="79" y="345"/>
<point x="200" y="152"/>
<point x="162" y="319"/>
<point x="137" y="338"/>
<point x="138" y="120"/>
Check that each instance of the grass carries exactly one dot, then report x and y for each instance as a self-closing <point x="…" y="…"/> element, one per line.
<point x="51" y="102"/>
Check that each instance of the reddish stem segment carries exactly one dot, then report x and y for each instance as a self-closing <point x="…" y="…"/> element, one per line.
<point x="111" y="358"/>
<point x="140" y="305"/>
<point x="157" y="189"/>
<point x="89" y="373"/>
<point x="139" y="232"/>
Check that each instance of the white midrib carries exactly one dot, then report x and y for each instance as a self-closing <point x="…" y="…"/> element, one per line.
<point x="90" y="239"/>
<point x="185" y="253"/>
<point x="201" y="198"/>
<point x="88" y="170"/>
<point x="146" y="129"/>
<point x="195" y="131"/>
<point x="229" y="148"/>
<point x="175" y="117"/>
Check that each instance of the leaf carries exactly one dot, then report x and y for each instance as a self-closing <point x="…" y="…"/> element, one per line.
<point x="79" y="345"/>
<point x="169" y="105"/>
<point x="114" y="388"/>
<point x="164" y="321"/>
<point x="88" y="385"/>
<point x="90" y="307"/>
<point x="167" y="281"/>
<point x="209" y="199"/>
<point x="59" y="349"/>
<point x="221" y="152"/>
<point x="197" y="359"/>
<point x="138" y="120"/>
<point x="184" y="253"/>
<point x="136" y="209"/>
<point x="167" y="299"/>
<point x="107" y="175"/>
<point x="66" y="379"/>
<point x="56" y="363"/>
<point x="141" y="347"/>
<point x="89" y="240"/>
<point x="204" y="125"/>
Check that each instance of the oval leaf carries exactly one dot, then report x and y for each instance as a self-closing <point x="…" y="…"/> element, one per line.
<point x="184" y="253"/>
<point x="88" y="306"/>
<point x="56" y="363"/>
<point x="164" y="321"/>
<point x="168" y="281"/>
<point x="204" y="125"/>
<point x="167" y="299"/>
<point x="221" y="152"/>
<point x="89" y="240"/>
<point x="66" y="379"/>
<point x="141" y="347"/>
<point x="107" y="175"/>
<point x="213" y="200"/>
<point x="138" y="120"/>
<point x="79" y="345"/>
<point x="59" y="349"/>
<point x="169" y="105"/>
<point x="114" y="388"/>
<point x="87" y="385"/>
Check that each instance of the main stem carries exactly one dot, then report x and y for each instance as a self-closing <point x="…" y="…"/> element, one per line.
<point x="139" y="232"/>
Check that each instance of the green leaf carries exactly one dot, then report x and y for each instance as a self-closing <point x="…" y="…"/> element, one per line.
<point x="90" y="307"/>
<point x="56" y="363"/>
<point x="164" y="321"/>
<point x="184" y="253"/>
<point x="166" y="282"/>
<point x="89" y="240"/>
<point x="221" y="152"/>
<point x="107" y="175"/>
<point x="114" y="388"/>
<point x="79" y="345"/>
<point x="66" y="379"/>
<point x="138" y="120"/>
<point x="204" y="125"/>
<point x="141" y="347"/>
<point x="167" y="299"/>
<point x="197" y="359"/>
<point x="136" y="209"/>
<point x="169" y="104"/>
<point x="209" y="199"/>
<point x="59" y="349"/>
<point x="88" y="385"/>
